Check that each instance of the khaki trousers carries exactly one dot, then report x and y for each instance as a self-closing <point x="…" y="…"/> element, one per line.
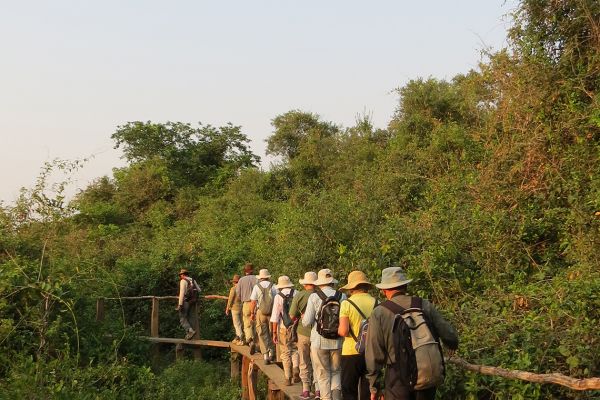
<point x="327" y="368"/>
<point x="289" y="353"/>
<point x="249" y="325"/>
<point x="306" y="369"/>
<point x="264" y="333"/>
<point x="238" y="325"/>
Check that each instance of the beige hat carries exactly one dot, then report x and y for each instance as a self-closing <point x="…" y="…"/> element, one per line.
<point x="284" y="282"/>
<point x="325" y="277"/>
<point x="356" y="278"/>
<point x="393" y="277"/>
<point x="310" y="278"/>
<point x="263" y="274"/>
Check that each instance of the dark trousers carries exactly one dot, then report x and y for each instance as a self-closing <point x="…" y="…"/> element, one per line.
<point x="354" y="380"/>
<point x="394" y="390"/>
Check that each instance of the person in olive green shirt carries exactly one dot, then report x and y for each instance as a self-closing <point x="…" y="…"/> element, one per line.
<point x="380" y="350"/>
<point x="234" y="306"/>
<point x="296" y="310"/>
<point x="353" y="311"/>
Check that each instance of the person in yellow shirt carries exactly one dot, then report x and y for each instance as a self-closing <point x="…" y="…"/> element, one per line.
<point x="356" y="308"/>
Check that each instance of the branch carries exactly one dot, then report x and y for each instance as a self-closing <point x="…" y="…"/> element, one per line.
<point x="559" y="379"/>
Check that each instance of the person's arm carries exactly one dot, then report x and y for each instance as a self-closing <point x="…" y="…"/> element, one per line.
<point x="182" y="290"/>
<point x="294" y="309"/>
<point x="344" y="324"/>
<point x="309" y="315"/>
<point x="230" y="300"/>
<point x="443" y="328"/>
<point x="375" y="351"/>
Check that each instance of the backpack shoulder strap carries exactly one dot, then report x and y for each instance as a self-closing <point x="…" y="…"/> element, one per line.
<point x="280" y="293"/>
<point x="357" y="308"/>
<point x="393" y="307"/>
<point x="320" y="293"/>
<point x="416" y="302"/>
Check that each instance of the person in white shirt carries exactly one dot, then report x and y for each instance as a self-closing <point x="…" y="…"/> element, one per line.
<point x="184" y="301"/>
<point x="263" y="294"/>
<point x="289" y="349"/>
<point x="325" y="353"/>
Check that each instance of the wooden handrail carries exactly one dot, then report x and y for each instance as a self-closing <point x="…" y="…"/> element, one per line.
<point x="208" y="296"/>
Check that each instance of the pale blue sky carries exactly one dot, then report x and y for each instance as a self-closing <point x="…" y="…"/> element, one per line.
<point x="71" y="71"/>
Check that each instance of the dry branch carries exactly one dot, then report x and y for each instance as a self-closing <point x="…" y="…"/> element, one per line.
<point x="559" y="379"/>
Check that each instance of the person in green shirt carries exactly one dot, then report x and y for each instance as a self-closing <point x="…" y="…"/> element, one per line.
<point x="353" y="311"/>
<point x="296" y="310"/>
<point x="234" y="306"/>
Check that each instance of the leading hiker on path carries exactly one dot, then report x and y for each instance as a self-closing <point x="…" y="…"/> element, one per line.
<point x="389" y="340"/>
<point x="325" y="351"/>
<point x="243" y="290"/>
<point x="284" y="330"/>
<point x="298" y="308"/>
<point x="234" y="306"/>
<point x="261" y="306"/>
<point x="354" y="313"/>
<point x="189" y="292"/>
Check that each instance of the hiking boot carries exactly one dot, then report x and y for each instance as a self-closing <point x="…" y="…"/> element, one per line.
<point x="252" y="347"/>
<point x="317" y="395"/>
<point x="305" y="395"/>
<point x="296" y="378"/>
<point x="190" y="334"/>
<point x="336" y="394"/>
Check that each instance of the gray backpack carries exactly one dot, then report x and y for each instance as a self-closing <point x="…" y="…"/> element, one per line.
<point x="419" y="359"/>
<point x="266" y="303"/>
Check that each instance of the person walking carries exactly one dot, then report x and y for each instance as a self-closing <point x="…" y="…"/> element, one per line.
<point x="189" y="292"/>
<point x="279" y="317"/>
<point x="298" y="308"/>
<point x="325" y="352"/>
<point x="243" y="291"/>
<point x="381" y="351"/>
<point x="354" y="311"/>
<point x="234" y="306"/>
<point x="261" y="306"/>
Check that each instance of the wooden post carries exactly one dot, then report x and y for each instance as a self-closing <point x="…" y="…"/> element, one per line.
<point x="195" y="322"/>
<point x="274" y="392"/>
<point x="245" y="367"/>
<point x="100" y="309"/>
<point x="154" y="318"/>
<point x="236" y="364"/>
<point x="154" y="324"/>
<point x="179" y="352"/>
<point x="252" y="380"/>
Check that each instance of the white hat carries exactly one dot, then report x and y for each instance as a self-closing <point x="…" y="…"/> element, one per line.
<point x="392" y="277"/>
<point x="264" y="274"/>
<point x="325" y="277"/>
<point x="310" y="278"/>
<point x="284" y="282"/>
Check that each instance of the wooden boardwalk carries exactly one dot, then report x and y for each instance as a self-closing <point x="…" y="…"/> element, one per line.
<point x="243" y="365"/>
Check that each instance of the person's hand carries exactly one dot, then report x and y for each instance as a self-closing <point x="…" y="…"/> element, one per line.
<point x="275" y="339"/>
<point x="178" y="308"/>
<point x="252" y="317"/>
<point x="450" y="353"/>
<point x="373" y="396"/>
<point x="227" y="311"/>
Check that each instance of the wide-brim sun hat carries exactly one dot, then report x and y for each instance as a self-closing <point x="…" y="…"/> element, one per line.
<point x="310" y="278"/>
<point x="393" y="277"/>
<point x="356" y="278"/>
<point x="284" y="282"/>
<point x="264" y="274"/>
<point x="325" y="277"/>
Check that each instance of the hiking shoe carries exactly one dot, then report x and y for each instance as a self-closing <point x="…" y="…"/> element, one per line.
<point x="252" y="347"/>
<point x="318" y="395"/>
<point x="305" y="395"/>
<point x="190" y="334"/>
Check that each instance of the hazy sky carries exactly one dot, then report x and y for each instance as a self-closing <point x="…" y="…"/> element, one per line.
<point x="72" y="71"/>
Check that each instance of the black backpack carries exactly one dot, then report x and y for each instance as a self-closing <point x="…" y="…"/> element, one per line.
<point x="328" y="317"/>
<point x="191" y="293"/>
<point x="287" y="302"/>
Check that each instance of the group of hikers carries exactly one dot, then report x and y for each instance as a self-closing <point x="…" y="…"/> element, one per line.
<point x="339" y="343"/>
